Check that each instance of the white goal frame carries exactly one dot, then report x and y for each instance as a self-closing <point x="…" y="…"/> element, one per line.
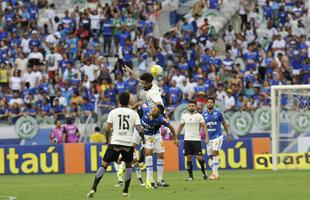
<point x="275" y="109"/>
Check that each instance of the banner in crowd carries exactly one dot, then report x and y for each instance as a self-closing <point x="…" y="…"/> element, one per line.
<point x="86" y="158"/>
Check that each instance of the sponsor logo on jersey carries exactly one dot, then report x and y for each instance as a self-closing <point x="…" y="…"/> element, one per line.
<point x="241" y="123"/>
<point x="262" y="118"/>
<point x="26" y="127"/>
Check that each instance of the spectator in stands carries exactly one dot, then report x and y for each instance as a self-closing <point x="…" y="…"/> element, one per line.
<point x="229" y="104"/>
<point x="58" y="110"/>
<point x="97" y="136"/>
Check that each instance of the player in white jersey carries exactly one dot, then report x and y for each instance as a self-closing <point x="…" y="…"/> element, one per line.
<point x="121" y="122"/>
<point x="193" y="123"/>
<point x="152" y="91"/>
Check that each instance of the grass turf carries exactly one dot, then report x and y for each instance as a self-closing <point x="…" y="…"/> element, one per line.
<point x="233" y="185"/>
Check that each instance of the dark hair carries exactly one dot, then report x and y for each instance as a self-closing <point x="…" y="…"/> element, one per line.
<point x="124" y="98"/>
<point x="147" y="77"/>
<point x="97" y="129"/>
<point x="161" y="108"/>
<point x="210" y="97"/>
<point x="192" y="101"/>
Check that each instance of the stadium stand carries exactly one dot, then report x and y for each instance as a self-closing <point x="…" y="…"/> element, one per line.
<point x="59" y="60"/>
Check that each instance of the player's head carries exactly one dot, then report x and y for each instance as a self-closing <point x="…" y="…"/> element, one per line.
<point x="124" y="98"/>
<point x="146" y="80"/>
<point x="191" y="107"/>
<point x="157" y="110"/>
<point x="210" y="102"/>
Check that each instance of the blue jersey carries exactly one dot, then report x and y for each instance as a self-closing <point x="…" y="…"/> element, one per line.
<point x="131" y="85"/>
<point x="151" y="126"/>
<point x="107" y="27"/>
<point x="213" y="121"/>
<point x="120" y="87"/>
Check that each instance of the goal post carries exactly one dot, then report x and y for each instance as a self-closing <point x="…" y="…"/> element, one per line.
<point x="292" y="101"/>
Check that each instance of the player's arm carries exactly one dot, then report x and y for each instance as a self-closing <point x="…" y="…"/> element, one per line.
<point x="180" y="128"/>
<point x="203" y="126"/>
<point x="108" y="131"/>
<point x="141" y="132"/>
<point x="131" y="72"/>
<point x="136" y="105"/>
<point x="226" y="130"/>
<point x="174" y="136"/>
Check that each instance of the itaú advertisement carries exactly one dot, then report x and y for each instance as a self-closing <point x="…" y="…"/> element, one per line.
<point x="284" y="161"/>
<point x="233" y="155"/>
<point x="39" y="159"/>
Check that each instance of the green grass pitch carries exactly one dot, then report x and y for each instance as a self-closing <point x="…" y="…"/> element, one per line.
<point x="233" y="185"/>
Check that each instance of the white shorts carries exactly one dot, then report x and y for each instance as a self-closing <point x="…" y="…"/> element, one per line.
<point x="136" y="138"/>
<point x="155" y="143"/>
<point x="214" y="145"/>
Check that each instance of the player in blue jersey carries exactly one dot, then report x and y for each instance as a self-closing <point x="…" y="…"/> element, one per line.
<point x="151" y="120"/>
<point x="214" y="139"/>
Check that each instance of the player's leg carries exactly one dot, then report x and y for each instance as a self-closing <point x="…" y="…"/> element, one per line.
<point x="216" y="146"/>
<point x="197" y="150"/>
<point x="189" y="164"/>
<point x="159" y="149"/>
<point x="136" y="141"/>
<point x="109" y="156"/>
<point x="148" y="150"/>
<point x="137" y="169"/>
<point x="119" y="168"/>
<point x="127" y="158"/>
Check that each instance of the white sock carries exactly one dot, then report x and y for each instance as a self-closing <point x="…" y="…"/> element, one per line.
<point x="160" y="169"/>
<point x="149" y="168"/>
<point x="138" y="172"/>
<point x="215" y="164"/>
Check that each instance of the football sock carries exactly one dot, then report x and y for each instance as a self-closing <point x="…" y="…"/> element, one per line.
<point x="215" y="164"/>
<point x="189" y="166"/>
<point x="100" y="172"/>
<point x="202" y="166"/>
<point x="128" y="174"/>
<point x="142" y="157"/>
<point x="149" y="168"/>
<point x="138" y="172"/>
<point x="117" y="168"/>
<point x="160" y="169"/>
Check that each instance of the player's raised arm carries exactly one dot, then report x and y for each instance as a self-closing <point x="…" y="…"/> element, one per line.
<point x="134" y="74"/>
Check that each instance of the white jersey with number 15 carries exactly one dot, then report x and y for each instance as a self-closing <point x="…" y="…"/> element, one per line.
<point x="123" y="122"/>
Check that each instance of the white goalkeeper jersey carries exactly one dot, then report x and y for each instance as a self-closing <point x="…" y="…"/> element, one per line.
<point x="123" y="122"/>
<point x="192" y="126"/>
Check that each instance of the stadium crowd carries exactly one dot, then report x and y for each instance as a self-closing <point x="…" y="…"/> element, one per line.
<point x="66" y="67"/>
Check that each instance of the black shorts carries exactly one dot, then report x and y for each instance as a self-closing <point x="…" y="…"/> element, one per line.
<point x="113" y="152"/>
<point x="192" y="148"/>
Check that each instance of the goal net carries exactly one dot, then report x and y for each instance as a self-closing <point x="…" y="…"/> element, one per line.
<point x="290" y="130"/>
